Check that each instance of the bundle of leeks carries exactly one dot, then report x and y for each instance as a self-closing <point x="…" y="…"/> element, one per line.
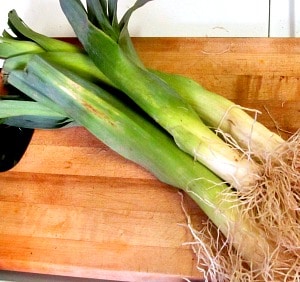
<point x="161" y="122"/>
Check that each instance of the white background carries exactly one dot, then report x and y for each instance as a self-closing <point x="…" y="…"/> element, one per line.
<point x="221" y="18"/>
<point x="285" y="18"/>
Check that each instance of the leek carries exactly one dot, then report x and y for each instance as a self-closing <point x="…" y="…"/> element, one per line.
<point x="157" y="98"/>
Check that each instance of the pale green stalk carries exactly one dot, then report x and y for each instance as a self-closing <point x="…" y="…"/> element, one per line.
<point x="10" y="47"/>
<point x="226" y="116"/>
<point x="77" y="62"/>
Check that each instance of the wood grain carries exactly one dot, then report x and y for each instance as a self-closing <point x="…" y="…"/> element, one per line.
<point x="73" y="207"/>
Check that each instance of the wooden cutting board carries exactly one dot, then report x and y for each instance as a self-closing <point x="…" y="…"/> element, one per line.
<point x="73" y="207"/>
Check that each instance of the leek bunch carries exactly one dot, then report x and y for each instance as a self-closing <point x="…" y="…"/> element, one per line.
<point x="161" y="122"/>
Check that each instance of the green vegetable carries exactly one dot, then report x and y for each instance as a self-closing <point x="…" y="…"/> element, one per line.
<point x="156" y="97"/>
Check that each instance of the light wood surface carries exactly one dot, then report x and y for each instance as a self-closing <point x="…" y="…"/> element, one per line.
<point x="73" y="207"/>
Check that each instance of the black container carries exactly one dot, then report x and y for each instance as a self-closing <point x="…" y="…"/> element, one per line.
<point x="13" y="144"/>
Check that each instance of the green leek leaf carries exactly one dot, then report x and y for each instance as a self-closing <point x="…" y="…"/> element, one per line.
<point x="24" y="32"/>
<point x="97" y="11"/>
<point x="31" y="114"/>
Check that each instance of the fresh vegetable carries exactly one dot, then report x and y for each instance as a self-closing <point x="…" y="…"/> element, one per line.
<point x="262" y="210"/>
<point x="155" y="96"/>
